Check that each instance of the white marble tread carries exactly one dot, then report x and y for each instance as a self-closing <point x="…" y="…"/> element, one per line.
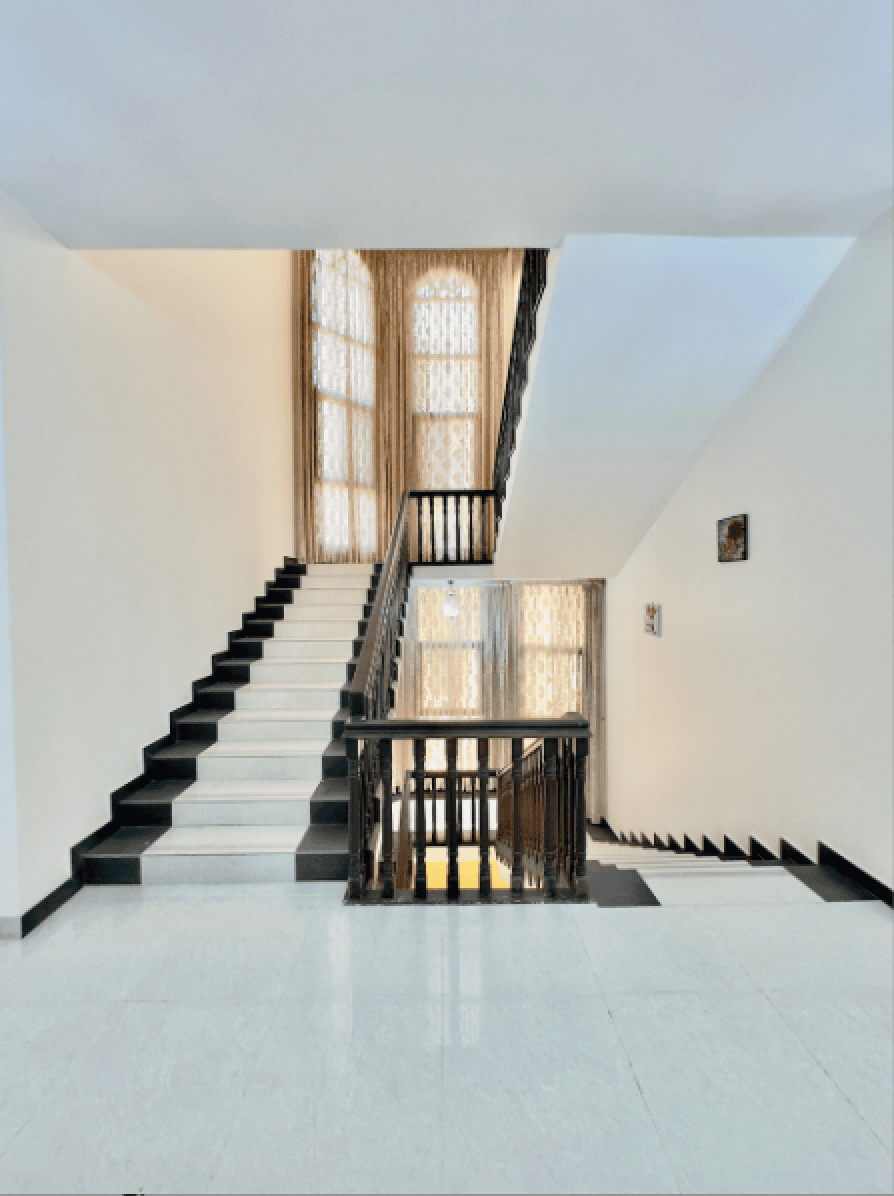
<point x="214" y="840"/>
<point x="227" y="790"/>
<point x="265" y="716"/>
<point x="273" y="747"/>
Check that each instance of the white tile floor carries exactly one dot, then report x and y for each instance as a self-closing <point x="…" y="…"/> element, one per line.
<point x="267" y="1039"/>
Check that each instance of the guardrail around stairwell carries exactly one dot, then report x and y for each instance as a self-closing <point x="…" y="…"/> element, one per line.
<point x="544" y="823"/>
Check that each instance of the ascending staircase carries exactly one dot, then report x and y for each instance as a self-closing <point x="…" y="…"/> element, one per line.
<point x="254" y="785"/>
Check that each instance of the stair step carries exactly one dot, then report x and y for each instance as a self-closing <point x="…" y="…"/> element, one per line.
<point x="323" y="853"/>
<point x="222" y="854"/>
<point x="330" y="801"/>
<point x="292" y="648"/>
<point x="318" y="629"/>
<point x="288" y="695"/>
<point x="318" y="611"/>
<point x="334" y="671"/>
<point x="240" y="725"/>
<point x="278" y="760"/>
<point x="117" y="859"/>
<point x="274" y="803"/>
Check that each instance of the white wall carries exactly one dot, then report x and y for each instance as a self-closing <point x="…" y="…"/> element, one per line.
<point x="147" y="409"/>
<point x="648" y="343"/>
<point x="765" y="707"/>
<point x="9" y="834"/>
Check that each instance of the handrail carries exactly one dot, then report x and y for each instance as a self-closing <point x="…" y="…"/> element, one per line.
<point x="369" y="688"/>
<point x="530" y="292"/>
<point x="570" y="726"/>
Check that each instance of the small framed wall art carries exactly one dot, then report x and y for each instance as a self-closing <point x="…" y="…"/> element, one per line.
<point x="732" y="538"/>
<point x="652" y="624"/>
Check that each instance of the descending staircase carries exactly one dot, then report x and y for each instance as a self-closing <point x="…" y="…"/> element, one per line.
<point x="254" y="785"/>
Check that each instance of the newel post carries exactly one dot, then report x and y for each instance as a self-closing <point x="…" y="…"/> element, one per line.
<point x="452" y="846"/>
<point x="518" y="879"/>
<point x="581" y="888"/>
<point x="355" y="822"/>
<point x="483" y="819"/>
<point x="551" y="762"/>
<point x="387" y="811"/>
<point x="421" y="888"/>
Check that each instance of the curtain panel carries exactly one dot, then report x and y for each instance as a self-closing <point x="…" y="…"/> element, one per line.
<point x="516" y="650"/>
<point x="430" y="400"/>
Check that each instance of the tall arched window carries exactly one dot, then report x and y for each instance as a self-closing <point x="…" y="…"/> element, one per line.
<point x="344" y="373"/>
<point x="445" y="380"/>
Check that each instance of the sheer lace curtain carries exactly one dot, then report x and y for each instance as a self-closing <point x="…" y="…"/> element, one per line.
<point x="399" y="374"/>
<point x="517" y="650"/>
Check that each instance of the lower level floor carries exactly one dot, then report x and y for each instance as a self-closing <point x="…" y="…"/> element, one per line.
<point x="267" y="1038"/>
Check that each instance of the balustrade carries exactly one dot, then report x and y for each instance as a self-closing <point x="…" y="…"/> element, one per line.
<point x="541" y="797"/>
<point x="453" y="527"/>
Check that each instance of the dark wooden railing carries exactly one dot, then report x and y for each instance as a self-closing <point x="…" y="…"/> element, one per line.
<point x="540" y="820"/>
<point x="451" y="527"/>
<point x="530" y="292"/>
<point x="369" y="752"/>
<point x="434" y="784"/>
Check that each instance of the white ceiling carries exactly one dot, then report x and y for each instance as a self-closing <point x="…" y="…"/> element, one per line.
<point x="403" y="123"/>
<point x="648" y="342"/>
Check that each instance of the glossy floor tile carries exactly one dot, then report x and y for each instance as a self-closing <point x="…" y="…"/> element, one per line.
<point x="267" y="1038"/>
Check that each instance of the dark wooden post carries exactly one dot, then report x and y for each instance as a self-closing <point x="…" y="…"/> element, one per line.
<point x="421" y="888"/>
<point x="444" y="527"/>
<point x="355" y="822"/>
<point x="471" y="536"/>
<point x="551" y="813"/>
<point x="387" y="838"/>
<point x="452" y="852"/>
<point x="581" y="887"/>
<point x="518" y="879"/>
<point x="419" y="555"/>
<point x="483" y="818"/>
<point x="458" y="556"/>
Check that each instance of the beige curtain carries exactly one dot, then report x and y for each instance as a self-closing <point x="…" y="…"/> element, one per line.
<point x="516" y="650"/>
<point x="424" y="408"/>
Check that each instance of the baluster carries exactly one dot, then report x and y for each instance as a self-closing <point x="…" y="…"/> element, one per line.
<point x="419" y="555"/>
<point x="471" y="540"/>
<point x="355" y="819"/>
<point x="483" y="818"/>
<point x="459" y="554"/>
<point x="431" y="516"/>
<point x="550" y="829"/>
<point x="452" y="853"/>
<point x="581" y="886"/>
<point x="387" y="838"/>
<point x="518" y="880"/>
<point x="421" y="887"/>
<point x="444" y="527"/>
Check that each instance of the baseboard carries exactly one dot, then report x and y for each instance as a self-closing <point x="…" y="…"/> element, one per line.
<point x="830" y="858"/>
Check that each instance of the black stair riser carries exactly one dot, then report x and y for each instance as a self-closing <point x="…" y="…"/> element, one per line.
<point x="173" y="770"/>
<point x="232" y="670"/>
<point x="244" y="648"/>
<point x="112" y="870"/>
<point x="328" y="811"/>
<point x="269" y="610"/>
<point x="218" y="701"/>
<point x="205" y="731"/>
<point x="324" y="866"/>
<point x="145" y="814"/>
<point x="254" y="625"/>
<point x="334" y="766"/>
<point x="278" y="595"/>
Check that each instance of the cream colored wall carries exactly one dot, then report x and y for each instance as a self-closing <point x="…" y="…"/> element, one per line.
<point x="147" y="407"/>
<point x="765" y="708"/>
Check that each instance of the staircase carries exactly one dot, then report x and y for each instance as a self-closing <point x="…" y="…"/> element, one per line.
<point x="254" y="785"/>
